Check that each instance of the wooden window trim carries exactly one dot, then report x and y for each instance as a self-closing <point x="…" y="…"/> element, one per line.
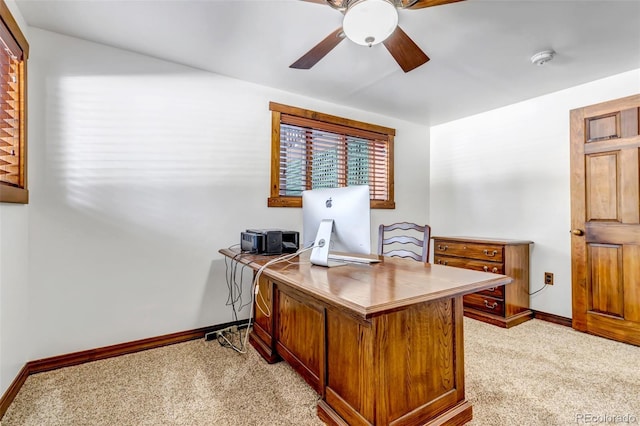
<point x="332" y="119"/>
<point x="275" y="199"/>
<point x="10" y="193"/>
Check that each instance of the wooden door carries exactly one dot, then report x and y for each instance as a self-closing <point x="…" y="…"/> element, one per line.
<point x="605" y="219"/>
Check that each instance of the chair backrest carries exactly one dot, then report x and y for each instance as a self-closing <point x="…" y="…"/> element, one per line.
<point x="414" y="235"/>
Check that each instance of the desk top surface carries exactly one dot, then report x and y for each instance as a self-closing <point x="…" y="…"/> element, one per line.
<point x="371" y="289"/>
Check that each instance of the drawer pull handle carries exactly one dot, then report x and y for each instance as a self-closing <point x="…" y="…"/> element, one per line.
<point x="443" y="248"/>
<point x="494" y="269"/>
<point x="492" y="306"/>
<point x="493" y="253"/>
<point x="491" y="289"/>
<point x="440" y="262"/>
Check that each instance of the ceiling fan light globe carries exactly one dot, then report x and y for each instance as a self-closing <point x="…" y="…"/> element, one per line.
<point x="369" y="22"/>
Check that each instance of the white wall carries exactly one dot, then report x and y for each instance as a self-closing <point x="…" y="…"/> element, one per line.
<point x="140" y="171"/>
<point x="14" y="331"/>
<point x="14" y="349"/>
<point x="505" y="174"/>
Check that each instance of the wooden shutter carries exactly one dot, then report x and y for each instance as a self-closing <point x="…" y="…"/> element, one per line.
<point x="10" y="155"/>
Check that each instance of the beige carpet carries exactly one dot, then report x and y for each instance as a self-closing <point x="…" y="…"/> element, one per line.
<point x="534" y="374"/>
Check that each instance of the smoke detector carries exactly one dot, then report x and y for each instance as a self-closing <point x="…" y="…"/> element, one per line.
<point x="543" y="57"/>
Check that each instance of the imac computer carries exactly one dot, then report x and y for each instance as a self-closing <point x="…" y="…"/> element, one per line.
<point x="337" y="220"/>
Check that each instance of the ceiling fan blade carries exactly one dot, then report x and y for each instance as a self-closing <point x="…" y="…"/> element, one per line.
<point x="428" y="3"/>
<point x="406" y="53"/>
<point x="319" y="51"/>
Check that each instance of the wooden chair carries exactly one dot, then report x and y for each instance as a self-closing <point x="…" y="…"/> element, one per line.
<point x="417" y="235"/>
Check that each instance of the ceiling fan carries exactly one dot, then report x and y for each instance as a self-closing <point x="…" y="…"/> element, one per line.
<point x="369" y="22"/>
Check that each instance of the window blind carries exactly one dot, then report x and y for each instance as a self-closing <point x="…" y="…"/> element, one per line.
<point x="315" y="154"/>
<point x="10" y="57"/>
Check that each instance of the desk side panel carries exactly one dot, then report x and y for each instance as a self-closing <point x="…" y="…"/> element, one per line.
<point x="418" y="362"/>
<point x="300" y="336"/>
<point x="350" y="378"/>
<point x="264" y="312"/>
<point x="262" y="337"/>
<point x="517" y="267"/>
<point x="410" y="362"/>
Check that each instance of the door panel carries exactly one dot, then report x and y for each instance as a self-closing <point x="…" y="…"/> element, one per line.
<point x="630" y="185"/>
<point x="629" y="125"/>
<point x="612" y="233"/>
<point x="606" y="279"/>
<point x="603" y="127"/>
<point x="631" y="278"/>
<point x="602" y="186"/>
<point x="605" y="217"/>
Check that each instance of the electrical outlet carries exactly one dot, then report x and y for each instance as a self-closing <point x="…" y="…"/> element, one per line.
<point x="548" y="278"/>
<point x="220" y="333"/>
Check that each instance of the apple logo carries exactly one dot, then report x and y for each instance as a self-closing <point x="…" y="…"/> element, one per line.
<point x="328" y="203"/>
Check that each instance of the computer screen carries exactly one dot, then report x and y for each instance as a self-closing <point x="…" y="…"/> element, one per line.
<point x="349" y="210"/>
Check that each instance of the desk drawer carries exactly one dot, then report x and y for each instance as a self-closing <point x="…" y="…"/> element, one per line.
<point x="491" y="252"/>
<point x="484" y="303"/>
<point x="477" y="265"/>
<point x="495" y="292"/>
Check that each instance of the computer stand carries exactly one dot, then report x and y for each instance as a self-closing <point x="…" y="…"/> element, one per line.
<point x="320" y="251"/>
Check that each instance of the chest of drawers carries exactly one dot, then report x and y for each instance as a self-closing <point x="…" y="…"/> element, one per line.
<point x="504" y="306"/>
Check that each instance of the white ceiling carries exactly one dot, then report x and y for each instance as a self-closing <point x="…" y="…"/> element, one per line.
<point x="480" y="49"/>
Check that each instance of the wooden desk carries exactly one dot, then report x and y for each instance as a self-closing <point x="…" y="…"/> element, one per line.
<point x="382" y="344"/>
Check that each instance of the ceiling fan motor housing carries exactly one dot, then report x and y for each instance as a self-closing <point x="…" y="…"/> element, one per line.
<point x="369" y="22"/>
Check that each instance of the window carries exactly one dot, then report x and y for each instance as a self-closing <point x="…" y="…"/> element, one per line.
<point x="312" y="150"/>
<point x="14" y="51"/>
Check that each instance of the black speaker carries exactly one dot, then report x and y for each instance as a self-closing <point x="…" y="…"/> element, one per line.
<point x="251" y="242"/>
<point x="273" y="243"/>
<point x="290" y="241"/>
